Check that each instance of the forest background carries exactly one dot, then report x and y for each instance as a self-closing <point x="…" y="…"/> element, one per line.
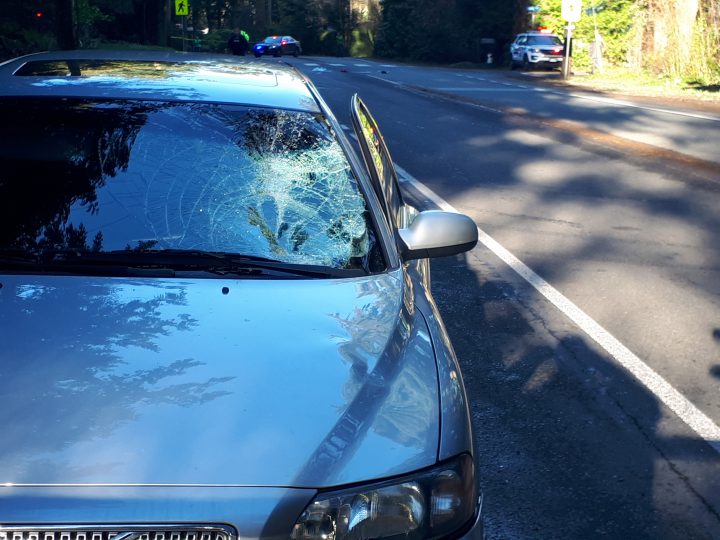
<point x="676" y="40"/>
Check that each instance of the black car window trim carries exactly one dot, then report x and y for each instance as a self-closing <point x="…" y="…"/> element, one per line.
<point x="377" y="215"/>
<point x="385" y="231"/>
<point x="384" y="178"/>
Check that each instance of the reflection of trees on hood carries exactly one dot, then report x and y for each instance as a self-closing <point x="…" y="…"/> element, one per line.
<point x="65" y="377"/>
<point x="370" y="328"/>
<point x="55" y="157"/>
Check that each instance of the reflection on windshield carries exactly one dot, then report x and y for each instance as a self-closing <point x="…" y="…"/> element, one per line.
<point x="107" y="176"/>
<point x="544" y="40"/>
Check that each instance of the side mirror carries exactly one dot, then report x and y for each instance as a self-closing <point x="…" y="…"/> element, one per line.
<point x="434" y="233"/>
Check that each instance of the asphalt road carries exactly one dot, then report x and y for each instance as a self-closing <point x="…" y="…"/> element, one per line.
<point x="575" y="437"/>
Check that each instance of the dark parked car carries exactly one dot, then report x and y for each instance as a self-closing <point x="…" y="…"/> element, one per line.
<point x="277" y="46"/>
<point x="536" y="49"/>
<point x="216" y="318"/>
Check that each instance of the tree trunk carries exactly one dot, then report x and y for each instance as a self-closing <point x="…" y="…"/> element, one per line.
<point x="164" y="21"/>
<point x="685" y="17"/>
<point x="66" y="24"/>
<point x="673" y="25"/>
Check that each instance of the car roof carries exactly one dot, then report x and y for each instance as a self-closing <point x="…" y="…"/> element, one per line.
<point x="157" y="75"/>
<point x="537" y="33"/>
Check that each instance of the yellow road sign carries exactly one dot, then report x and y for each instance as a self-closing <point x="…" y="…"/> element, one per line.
<point x="181" y="7"/>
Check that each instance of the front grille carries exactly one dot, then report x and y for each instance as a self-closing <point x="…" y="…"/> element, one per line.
<point x="117" y="532"/>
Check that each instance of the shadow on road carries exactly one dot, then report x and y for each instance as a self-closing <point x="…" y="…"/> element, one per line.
<point x="569" y="444"/>
<point x="715" y="370"/>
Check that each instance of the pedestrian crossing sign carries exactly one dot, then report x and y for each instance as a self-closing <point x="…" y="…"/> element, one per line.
<point x="181" y="7"/>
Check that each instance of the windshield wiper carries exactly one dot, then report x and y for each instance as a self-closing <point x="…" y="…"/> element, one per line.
<point x="223" y="262"/>
<point x="125" y="262"/>
<point x="26" y="262"/>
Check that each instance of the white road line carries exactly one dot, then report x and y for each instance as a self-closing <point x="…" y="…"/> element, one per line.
<point x="337" y="65"/>
<point x="486" y="89"/>
<point x="311" y="64"/>
<point x="386" y="80"/>
<point x="655" y="383"/>
<point x="622" y="103"/>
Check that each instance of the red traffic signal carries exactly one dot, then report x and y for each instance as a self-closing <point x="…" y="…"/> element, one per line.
<point x="38" y="14"/>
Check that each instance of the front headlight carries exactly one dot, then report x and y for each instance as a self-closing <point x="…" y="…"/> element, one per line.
<point x="430" y="504"/>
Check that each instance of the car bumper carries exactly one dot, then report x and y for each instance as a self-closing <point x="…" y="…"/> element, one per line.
<point x="257" y="512"/>
<point x="542" y="59"/>
<point x="477" y="531"/>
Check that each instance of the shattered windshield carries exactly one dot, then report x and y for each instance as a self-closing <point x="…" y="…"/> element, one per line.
<point x="106" y="175"/>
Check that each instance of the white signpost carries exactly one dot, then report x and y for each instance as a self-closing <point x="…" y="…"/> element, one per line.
<point x="570" y="12"/>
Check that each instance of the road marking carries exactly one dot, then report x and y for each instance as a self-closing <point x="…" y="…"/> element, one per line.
<point x="486" y="89"/>
<point x="337" y="65"/>
<point x="622" y="103"/>
<point x="655" y="383"/>
<point x="617" y="102"/>
<point x="311" y="64"/>
<point x="362" y="65"/>
<point x="386" y="80"/>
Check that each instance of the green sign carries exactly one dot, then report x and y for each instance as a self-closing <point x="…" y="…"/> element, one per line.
<point x="181" y="7"/>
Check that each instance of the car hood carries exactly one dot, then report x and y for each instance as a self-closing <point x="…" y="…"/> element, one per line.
<point x="294" y="383"/>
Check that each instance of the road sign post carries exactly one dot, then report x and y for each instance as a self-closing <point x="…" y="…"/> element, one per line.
<point x="568" y="45"/>
<point x="533" y="10"/>
<point x="570" y="12"/>
<point x="182" y="9"/>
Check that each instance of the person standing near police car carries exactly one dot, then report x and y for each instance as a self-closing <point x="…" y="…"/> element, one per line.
<point x="238" y="43"/>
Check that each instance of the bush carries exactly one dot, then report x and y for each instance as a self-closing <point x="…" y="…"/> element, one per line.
<point x="331" y="44"/>
<point x="215" y="41"/>
<point x="16" y="42"/>
<point x="361" y="46"/>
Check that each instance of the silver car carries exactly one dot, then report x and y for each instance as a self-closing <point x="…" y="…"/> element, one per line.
<point x="216" y="318"/>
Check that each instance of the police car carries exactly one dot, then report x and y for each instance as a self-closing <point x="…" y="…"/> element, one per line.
<point x="534" y="49"/>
